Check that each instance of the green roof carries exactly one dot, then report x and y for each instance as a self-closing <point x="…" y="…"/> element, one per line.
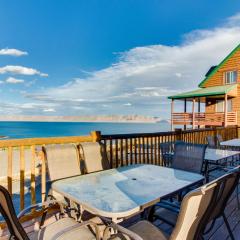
<point x="204" y="92"/>
<point x="219" y="65"/>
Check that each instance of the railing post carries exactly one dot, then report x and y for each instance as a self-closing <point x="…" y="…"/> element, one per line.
<point x="225" y="110"/>
<point x="172" y="110"/>
<point x="178" y="132"/>
<point x="193" y="113"/>
<point x="96" y="136"/>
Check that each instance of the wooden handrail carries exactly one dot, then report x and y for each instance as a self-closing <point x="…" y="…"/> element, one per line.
<point x="202" y="118"/>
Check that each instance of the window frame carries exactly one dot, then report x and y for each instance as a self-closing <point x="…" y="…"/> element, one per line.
<point x="230" y="72"/>
<point x="220" y="104"/>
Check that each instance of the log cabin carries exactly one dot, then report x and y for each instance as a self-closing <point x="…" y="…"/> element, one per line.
<point x="218" y="94"/>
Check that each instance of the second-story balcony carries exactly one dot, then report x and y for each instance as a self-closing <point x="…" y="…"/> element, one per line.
<point x="204" y="119"/>
<point x="219" y="109"/>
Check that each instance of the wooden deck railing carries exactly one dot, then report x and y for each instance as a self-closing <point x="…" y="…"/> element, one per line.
<point x="25" y="165"/>
<point x="202" y="118"/>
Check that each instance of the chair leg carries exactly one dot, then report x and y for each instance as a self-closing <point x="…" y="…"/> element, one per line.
<point x="237" y="197"/>
<point x="228" y="227"/>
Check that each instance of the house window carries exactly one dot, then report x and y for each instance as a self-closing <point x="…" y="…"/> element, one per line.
<point x="220" y="105"/>
<point x="230" y="77"/>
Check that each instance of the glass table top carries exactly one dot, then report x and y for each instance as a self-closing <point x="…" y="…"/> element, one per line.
<point x="126" y="190"/>
<point x="219" y="154"/>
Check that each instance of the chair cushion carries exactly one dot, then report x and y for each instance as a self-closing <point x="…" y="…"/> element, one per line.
<point x="147" y="231"/>
<point x="48" y="232"/>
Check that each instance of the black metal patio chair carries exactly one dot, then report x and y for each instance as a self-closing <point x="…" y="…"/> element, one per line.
<point x="189" y="157"/>
<point x="211" y="141"/>
<point x="167" y="151"/>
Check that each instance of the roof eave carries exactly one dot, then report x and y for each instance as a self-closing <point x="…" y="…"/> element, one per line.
<point x="218" y="66"/>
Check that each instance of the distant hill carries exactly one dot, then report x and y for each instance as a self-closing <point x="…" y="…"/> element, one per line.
<point x="90" y="118"/>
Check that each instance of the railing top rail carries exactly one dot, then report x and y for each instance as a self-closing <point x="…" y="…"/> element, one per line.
<point x="41" y="141"/>
<point x="139" y="135"/>
<point x="136" y="135"/>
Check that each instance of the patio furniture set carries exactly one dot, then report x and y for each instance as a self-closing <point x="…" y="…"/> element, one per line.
<point x="95" y="200"/>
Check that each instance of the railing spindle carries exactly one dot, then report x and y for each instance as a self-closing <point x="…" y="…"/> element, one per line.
<point x="131" y="151"/>
<point x="10" y="168"/>
<point x="33" y="180"/>
<point x="43" y="176"/>
<point x="22" y="178"/>
<point x="126" y="150"/>
<point x="111" y="154"/>
<point x="116" y="153"/>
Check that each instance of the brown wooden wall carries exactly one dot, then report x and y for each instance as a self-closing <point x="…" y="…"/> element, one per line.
<point x="231" y="64"/>
<point x="218" y="79"/>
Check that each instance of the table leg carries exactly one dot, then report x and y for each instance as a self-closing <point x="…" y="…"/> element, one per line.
<point x="206" y="173"/>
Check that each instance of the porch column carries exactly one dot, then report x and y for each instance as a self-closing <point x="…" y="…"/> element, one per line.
<point x="199" y="108"/>
<point x="193" y="113"/>
<point x="185" y="110"/>
<point x="225" y="110"/>
<point x="172" y="110"/>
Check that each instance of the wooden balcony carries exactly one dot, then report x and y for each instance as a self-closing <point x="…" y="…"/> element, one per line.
<point x="204" y="119"/>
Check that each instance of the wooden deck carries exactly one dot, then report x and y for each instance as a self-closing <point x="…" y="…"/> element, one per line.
<point x="219" y="231"/>
<point x="122" y="149"/>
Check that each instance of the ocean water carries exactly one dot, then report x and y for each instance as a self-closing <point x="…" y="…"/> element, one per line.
<point x="57" y="129"/>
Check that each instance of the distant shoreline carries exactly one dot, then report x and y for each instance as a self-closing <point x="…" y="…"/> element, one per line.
<point x="94" y="119"/>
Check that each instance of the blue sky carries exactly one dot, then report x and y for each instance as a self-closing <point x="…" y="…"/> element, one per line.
<point x="109" y="56"/>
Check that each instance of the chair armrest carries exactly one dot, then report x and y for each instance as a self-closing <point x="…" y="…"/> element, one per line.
<point x="122" y="230"/>
<point x="37" y="205"/>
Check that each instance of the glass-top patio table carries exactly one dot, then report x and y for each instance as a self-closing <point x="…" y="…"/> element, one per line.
<point x="215" y="157"/>
<point x="231" y="143"/>
<point x="122" y="192"/>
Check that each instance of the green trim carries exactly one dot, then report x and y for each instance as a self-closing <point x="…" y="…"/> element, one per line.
<point x="204" y="92"/>
<point x="219" y="65"/>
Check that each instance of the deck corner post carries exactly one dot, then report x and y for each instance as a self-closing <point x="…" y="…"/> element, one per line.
<point x="193" y="113"/>
<point x="96" y="136"/>
<point x="172" y="110"/>
<point x="225" y="110"/>
<point x="178" y="132"/>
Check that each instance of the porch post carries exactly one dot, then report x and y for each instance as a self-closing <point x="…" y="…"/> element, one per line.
<point x="172" y="110"/>
<point x="193" y="113"/>
<point x="225" y="110"/>
<point x="199" y="108"/>
<point x="185" y="110"/>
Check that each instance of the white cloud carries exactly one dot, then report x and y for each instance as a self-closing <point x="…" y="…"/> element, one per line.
<point x="21" y="70"/>
<point x="12" y="52"/>
<point x="127" y="104"/>
<point x="13" y="80"/>
<point x="49" y="110"/>
<point x="179" y="75"/>
<point x="145" y="76"/>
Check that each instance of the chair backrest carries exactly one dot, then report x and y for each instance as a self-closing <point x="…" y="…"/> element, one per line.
<point x="219" y="139"/>
<point x="194" y="211"/>
<point x="94" y="156"/>
<point x="167" y="150"/>
<point x="62" y="160"/>
<point x="228" y="184"/>
<point x="8" y="212"/>
<point x="204" y="205"/>
<point x="211" y="141"/>
<point x="189" y="156"/>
